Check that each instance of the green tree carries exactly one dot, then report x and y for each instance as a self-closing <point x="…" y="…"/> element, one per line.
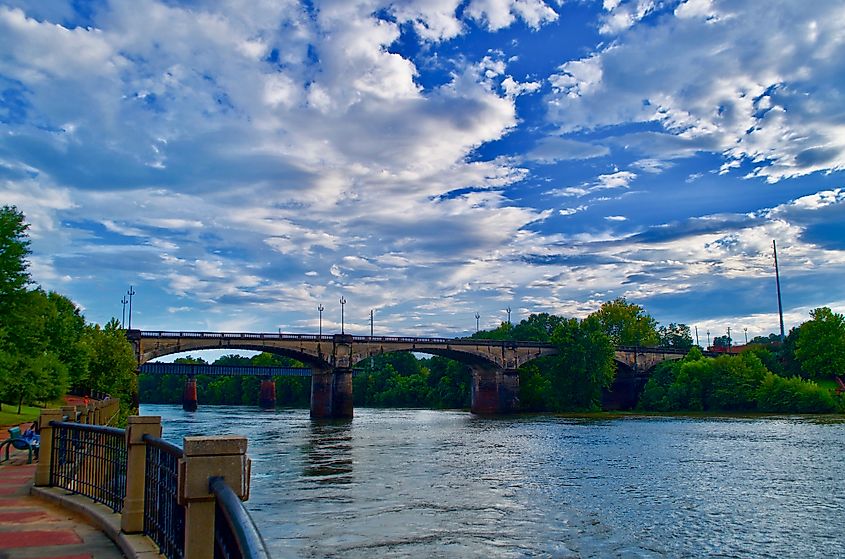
<point x="111" y="368"/>
<point x="820" y="348"/>
<point x="14" y="249"/>
<point x="627" y="324"/>
<point x="675" y="335"/>
<point x="584" y="364"/>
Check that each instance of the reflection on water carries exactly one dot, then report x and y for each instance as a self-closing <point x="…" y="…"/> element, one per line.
<point x="329" y="452"/>
<point x="415" y="483"/>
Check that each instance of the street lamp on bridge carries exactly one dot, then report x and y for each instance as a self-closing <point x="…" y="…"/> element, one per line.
<point x="477" y="316"/>
<point x="123" y="315"/>
<point x="320" y="309"/>
<point x="131" y="292"/>
<point x="509" y="315"/>
<point x="342" y="303"/>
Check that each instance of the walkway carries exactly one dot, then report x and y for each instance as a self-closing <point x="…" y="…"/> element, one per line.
<point x="34" y="529"/>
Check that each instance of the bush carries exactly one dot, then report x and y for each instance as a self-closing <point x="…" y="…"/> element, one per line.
<point x="793" y="395"/>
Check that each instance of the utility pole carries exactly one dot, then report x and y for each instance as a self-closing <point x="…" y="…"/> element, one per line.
<point x="131" y="292"/>
<point x="320" y="309"/>
<point x="708" y="338"/>
<point x="123" y="315"/>
<point x="729" y="337"/>
<point x="371" y="323"/>
<point x="746" y="335"/>
<point x="696" y="337"/>
<point x="477" y="316"/>
<point x="777" y="281"/>
<point x="342" y="302"/>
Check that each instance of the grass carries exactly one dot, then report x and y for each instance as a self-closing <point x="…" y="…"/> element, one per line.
<point x="9" y="417"/>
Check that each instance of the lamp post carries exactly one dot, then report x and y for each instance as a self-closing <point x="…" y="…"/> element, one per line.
<point x="371" y="323"/>
<point x="746" y="335"/>
<point x="708" y="339"/>
<point x="509" y="315"/>
<point x="123" y="315"/>
<point x="342" y="302"/>
<point x="131" y="292"/>
<point x="729" y="337"/>
<point x="320" y="309"/>
<point x="477" y="316"/>
<point x="696" y="337"/>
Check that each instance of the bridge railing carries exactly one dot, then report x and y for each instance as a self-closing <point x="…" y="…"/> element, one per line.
<point x="265" y="336"/>
<point x="156" y="488"/>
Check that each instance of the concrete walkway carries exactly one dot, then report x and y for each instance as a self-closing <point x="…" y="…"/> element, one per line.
<point x="31" y="528"/>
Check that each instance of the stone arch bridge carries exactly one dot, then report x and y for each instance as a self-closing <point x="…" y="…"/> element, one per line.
<point x="493" y="363"/>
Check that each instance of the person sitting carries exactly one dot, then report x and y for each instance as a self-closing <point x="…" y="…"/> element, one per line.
<point x="33" y="437"/>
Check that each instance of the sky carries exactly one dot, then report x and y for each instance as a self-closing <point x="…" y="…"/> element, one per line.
<point x="240" y="162"/>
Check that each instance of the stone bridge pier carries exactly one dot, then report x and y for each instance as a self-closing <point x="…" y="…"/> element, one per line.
<point x="494" y="390"/>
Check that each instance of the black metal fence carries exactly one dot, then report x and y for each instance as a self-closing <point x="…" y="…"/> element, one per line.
<point x="235" y="534"/>
<point x="164" y="517"/>
<point x="90" y="460"/>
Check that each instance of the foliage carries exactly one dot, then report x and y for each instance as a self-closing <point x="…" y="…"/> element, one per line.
<point x="793" y="395"/>
<point x="675" y="335"/>
<point x="627" y="324"/>
<point x="45" y="344"/>
<point x="14" y="249"/>
<point x="820" y="347"/>
<point x="722" y="341"/>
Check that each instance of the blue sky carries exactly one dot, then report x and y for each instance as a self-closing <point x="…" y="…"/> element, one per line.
<point x="241" y="162"/>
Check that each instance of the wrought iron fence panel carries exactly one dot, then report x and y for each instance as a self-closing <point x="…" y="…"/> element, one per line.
<point x="90" y="460"/>
<point x="164" y="517"/>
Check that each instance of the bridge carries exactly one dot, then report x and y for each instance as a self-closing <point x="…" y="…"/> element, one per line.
<point x="331" y="358"/>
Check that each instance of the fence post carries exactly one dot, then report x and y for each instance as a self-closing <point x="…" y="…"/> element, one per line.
<point x="205" y="458"/>
<point x="45" y="453"/>
<point x="132" y="518"/>
<point x="70" y="412"/>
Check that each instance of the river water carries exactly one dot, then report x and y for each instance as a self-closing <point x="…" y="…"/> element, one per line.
<point x="419" y="483"/>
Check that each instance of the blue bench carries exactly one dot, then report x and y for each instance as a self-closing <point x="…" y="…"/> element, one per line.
<point x="18" y="441"/>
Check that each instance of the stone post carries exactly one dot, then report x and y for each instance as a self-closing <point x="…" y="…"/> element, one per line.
<point x="92" y="413"/>
<point x="132" y="519"/>
<point x="331" y="393"/>
<point x="205" y="458"/>
<point x="70" y="412"/>
<point x="45" y="453"/>
<point x="494" y="391"/>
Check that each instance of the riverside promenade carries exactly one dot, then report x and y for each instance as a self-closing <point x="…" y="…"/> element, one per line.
<point x="32" y="528"/>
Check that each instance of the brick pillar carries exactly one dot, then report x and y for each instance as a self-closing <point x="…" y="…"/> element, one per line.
<point x="267" y="394"/>
<point x="331" y="393"/>
<point x="494" y="391"/>
<point x="132" y="517"/>
<point x="45" y="453"/>
<point x="189" y="396"/>
<point x="205" y="458"/>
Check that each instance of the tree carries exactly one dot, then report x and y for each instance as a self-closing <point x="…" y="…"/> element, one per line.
<point x="112" y="365"/>
<point x="14" y="248"/>
<point x="584" y="364"/>
<point x="722" y="341"/>
<point x="627" y="324"/>
<point x="675" y="335"/>
<point x="820" y="347"/>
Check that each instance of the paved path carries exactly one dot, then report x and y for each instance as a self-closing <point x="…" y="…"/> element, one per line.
<point x="34" y="529"/>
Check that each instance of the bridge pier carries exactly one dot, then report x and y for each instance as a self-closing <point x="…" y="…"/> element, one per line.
<point x="331" y="393"/>
<point x="189" y="395"/>
<point x="267" y="394"/>
<point x="494" y="391"/>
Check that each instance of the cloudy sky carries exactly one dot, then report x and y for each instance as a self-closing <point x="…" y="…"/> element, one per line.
<point x="242" y="161"/>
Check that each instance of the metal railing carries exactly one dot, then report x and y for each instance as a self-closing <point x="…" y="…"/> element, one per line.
<point x="235" y="534"/>
<point x="90" y="460"/>
<point x="164" y="517"/>
<point x="158" y="334"/>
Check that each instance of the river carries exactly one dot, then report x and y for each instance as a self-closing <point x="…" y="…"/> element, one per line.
<point x="420" y="483"/>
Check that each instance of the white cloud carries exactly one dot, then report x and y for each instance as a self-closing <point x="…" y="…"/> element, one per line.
<point x="757" y="101"/>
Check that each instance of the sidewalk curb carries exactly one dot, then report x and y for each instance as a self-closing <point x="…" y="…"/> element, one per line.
<point x="133" y="546"/>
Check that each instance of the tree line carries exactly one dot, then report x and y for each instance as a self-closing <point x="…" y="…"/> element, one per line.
<point x="46" y="346"/>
